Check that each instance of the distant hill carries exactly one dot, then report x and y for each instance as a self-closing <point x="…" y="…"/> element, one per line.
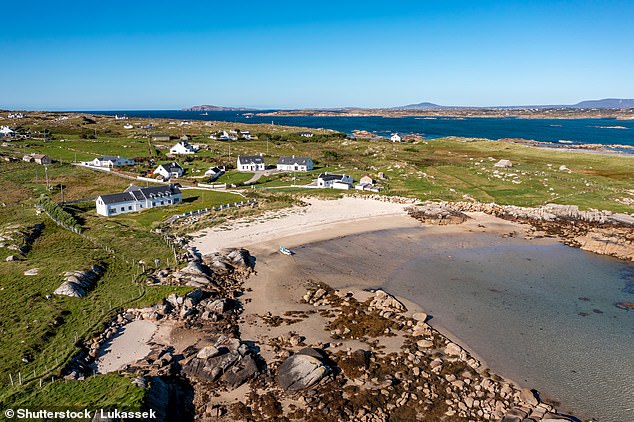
<point x="614" y="103"/>
<point x="419" y="106"/>
<point x="606" y="103"/>
<point x="215" y="108"/>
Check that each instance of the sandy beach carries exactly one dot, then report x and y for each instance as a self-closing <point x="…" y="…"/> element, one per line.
<point x="347" y="228"/>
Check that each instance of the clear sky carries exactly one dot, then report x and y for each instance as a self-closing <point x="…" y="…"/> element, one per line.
<point x="139" y="54"/>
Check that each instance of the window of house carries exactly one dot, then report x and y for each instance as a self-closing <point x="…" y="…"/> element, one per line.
<point x="130" y="207"/>
<point x="122" y="208"/>
<point x="153" y="204"/>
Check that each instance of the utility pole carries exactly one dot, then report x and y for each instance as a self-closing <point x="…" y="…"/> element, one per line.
<point x="46" y="173"/>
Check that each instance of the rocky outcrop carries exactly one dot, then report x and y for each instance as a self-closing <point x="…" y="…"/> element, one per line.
<point x="77" y="283"/>
<point x="437" y="213"/>
<point x="602" y="232"/>
<point x="385" y="302"/>
<point x="302" y="370"/>
<point x="229" y="361"/>
<point x="20" y="238"/>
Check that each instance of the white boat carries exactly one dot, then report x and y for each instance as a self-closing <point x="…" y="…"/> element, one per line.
<point x="286" y="251"/>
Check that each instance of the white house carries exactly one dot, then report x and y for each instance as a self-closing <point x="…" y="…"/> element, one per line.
<point x="245" y="134"/>
<point x="250" y="163"/>
<point x="366" y="183"/>
<point x="215" y="172"/>
<point x="294" y="163"/>
<point x="128" y="126"/>
<point x="169" y="171"/>
<point x="396" y="138"/>
<point x="336" y="181"/>
<point x="110" y="161"/>
<point x="306" y="134"/>
<point x="7" y="131"/>
<point x="136" y="198"/>
<point x="183" y="147"/>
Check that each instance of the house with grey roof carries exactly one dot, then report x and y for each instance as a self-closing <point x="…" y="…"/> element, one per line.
<point x="110" y="161"/>
<point x="135" y="198"/>
<point x="251" y="163"/>
<point x="335" y="181"/>
<point x="169" y="171"/>
<point x="294" y="163"/>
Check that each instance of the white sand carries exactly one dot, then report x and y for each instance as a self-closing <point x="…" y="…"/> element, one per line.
<point x="319" y="215"/>
<point x="128" y="347"/>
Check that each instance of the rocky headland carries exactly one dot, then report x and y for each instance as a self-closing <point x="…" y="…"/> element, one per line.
<point x="377" y="361"/>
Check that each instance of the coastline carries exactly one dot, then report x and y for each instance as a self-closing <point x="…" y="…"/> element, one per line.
<point x="280" y="281"/>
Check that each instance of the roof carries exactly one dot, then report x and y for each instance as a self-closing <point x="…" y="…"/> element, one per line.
<point x="330" y="176"/>
<point x="250" y="159"/>
<point x="136" y="193"/>
<point x="109" y="158"/>
<point x="171" y="166"/>
<point x="293" y="160"/>
<point x="39" y="156"/>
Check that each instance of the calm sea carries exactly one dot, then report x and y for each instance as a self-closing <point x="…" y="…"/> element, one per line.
<point x="587" y="131"/>
<point x="538" y="312"/>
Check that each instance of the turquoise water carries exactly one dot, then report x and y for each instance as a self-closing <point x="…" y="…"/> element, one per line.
<point x="539" y="313"/>
<point x="591" y="131"/>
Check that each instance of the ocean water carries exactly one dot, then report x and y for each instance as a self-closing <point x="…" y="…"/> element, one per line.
<point x="588" y="131"/>
<point x="539" y="313"/>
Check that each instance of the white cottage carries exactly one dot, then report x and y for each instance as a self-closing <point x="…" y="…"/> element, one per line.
<point x="111" y="161"/>
<point x="396" y="138"/>
<point x="251" y="163"/>
<point x="136" y="198"/>
<point x="183" y="147"/>
<point x="335" y="181"/>
<point x="294" y="163"/>
<point x="169" y="171"/>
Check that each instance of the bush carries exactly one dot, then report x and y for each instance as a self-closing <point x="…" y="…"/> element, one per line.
<point x="57" y="212"/>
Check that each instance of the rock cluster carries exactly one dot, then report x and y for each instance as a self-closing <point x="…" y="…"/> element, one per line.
<point x="437" y="213"/>
<point x="602" y="232"/>
<point x="19" y="238"/>
<point x="209" y="270"/>
<point x="77" y="283"/>
<point x="229" y="361"/>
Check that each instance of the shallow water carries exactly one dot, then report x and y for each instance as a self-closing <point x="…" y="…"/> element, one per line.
<point x="539" y="313"/>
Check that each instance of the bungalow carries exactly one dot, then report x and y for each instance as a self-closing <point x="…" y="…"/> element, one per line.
<point x="366" y="180"/>
<point x="135" y="198"/>
<point x="169" y="171"/>
<point x="245" y="134"/>
<point x="335" y="181"/>
<point x="367" y="187"/>
<point x="396" y="138"/>
<point x="159" y="136"/>
<point x="251" y="163"/>
<point x="183" y="147"/>
<point x="215" y="172"/>
<point x="110" y="161"/>
<point x="6" y="131"/>
<point x="37" y="158"/>
<point x="128" y="126"/>
<point x="294" y="163"/>
<point x="306" y="134"/>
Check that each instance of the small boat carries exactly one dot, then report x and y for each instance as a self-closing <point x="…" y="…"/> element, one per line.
<point x="204" y="114"/>
<point x="286" y="251"/>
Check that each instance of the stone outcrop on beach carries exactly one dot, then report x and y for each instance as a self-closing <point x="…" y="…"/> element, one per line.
<point x="437" y="213"/>
<point x="302" y="370"/>
<point x="77" y="283"/>
<point x="602" y="232"/>
<point x="429" y="375"/>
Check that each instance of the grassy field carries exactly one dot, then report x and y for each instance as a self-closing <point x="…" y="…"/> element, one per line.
<point x="38" y="334"/>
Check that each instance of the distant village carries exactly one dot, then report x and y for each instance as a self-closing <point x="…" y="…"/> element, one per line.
<point x="136" y="198"/>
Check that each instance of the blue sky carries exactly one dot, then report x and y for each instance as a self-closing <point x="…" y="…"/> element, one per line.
<point x="283" y="54"/>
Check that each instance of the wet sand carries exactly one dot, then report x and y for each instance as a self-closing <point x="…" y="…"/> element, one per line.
<point x="537" y="312"/>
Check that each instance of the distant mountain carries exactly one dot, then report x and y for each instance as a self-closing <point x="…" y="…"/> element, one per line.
<point x="215" y="108"/>
<point x="419" y="106"/>
<point x="614" y="103"/>
<point x="606" y="103"/>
